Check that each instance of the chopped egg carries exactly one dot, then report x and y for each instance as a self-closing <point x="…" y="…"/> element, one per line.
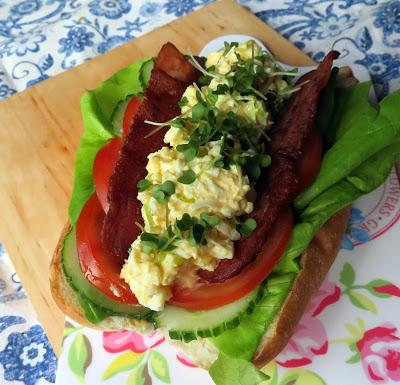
<point x="216" y="191"/>
<point x="224" y="61"/>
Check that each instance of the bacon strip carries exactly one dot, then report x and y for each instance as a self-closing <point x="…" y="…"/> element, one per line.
<point x="171" y="75"/>
<point x="280" y="185"/>
<point x="293" y="126"/>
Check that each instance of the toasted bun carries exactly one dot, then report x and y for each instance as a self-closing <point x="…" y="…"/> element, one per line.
<point x="62" y="292"/>
<point x="315" y="264"/>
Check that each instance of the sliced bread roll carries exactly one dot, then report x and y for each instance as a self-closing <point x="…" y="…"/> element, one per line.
<point x="315" y="263"/>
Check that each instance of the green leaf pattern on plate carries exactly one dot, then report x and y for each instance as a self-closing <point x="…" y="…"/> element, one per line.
<point x="301" y="377"/>
<point x="126" y="361"/>
<point x="159" y="366"/>
<point x="347" y="275"/>
<point x="352" y="290"/>
<point x="363" y="302"/>
<point x="80" y="356"/>
<point x="354" y="359"/>
<point x="139" y="376"/>
<point x="291" y="377"/>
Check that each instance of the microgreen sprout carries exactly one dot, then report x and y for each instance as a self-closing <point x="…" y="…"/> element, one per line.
<point x="290" y="90"/>
<point x="189" y="228"/>
<point x="183" y="102"/>
<point x="210" y="220"/>
<point x="247" y="227"/>
<point x="187" y="177"/>
<point x="199" y="67"/>
<point x="161" y="192"/>
<point x="243" y="143"/>
<point x="229" y="46"/>
<point x="143" y="185"/>
<point x="156" y="242"/>
<point x="282" y="73"/>
<point x="177" y="122"/>
<point x="159" y="126"/>
<point x="139" y="226"/>
<point x="189" y="150"/>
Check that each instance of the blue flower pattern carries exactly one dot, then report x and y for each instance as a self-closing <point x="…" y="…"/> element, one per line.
<point x="26" y="354"/>
<point x="28" y="357"/>
<point x="40" y="38"/>
<point x="388" y="19"/>
<point x="22" y="44"/>
<point x="26" y="7"/>
<point x="180" y="7"/>
<point x="5" y="90"/>
<point x="331" y="25"/>
<point x="111" y="9"/>
<point x="77" y="40"/>
<point x="354" y="233"/>
<point x="150" y="9"/>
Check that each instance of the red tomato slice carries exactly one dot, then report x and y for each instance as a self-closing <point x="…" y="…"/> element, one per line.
<point x="129" y="115"/>
<point x="100" y="268"/>
<point x="309" y="163"/>
<point x="103" y="168"/>
<point x="212" y="295"/>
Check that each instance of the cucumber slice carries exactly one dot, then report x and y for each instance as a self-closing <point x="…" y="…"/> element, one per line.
<point x="117" y="115"/>
<point x="145" y="72"/>
<point x="75" y="277"/>
<point x="188" y="325"/>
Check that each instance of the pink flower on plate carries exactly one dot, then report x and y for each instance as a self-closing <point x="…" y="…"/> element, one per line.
<point x="380" y="353"/>
<point x="119" y="341"/>
<point x="309" y="338"/>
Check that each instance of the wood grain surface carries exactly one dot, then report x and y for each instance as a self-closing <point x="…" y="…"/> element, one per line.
<point x="40" y="130"/>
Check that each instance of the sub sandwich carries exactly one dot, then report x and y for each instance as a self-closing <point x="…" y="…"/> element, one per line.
<point x="211" y="196"/>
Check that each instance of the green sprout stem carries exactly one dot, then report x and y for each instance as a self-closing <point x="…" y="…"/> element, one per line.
<point x="140" y="226"/>
<point x="198" y="66"/>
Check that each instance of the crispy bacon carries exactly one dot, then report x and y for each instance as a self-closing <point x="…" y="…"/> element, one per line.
<point x="277" y="191"/>
<point x="280" y="185"/>
<point x="293" y="126"/>
<point x="171" y="61"/>
<point x="171" y="75"/>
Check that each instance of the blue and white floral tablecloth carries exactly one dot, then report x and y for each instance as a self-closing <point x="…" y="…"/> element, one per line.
<point x="41" y="38"/>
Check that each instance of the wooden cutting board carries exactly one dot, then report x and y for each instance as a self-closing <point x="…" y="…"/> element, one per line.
<point x="40" y="130"/>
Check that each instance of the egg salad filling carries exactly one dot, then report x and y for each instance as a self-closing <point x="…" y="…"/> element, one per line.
<point x="198" y="187"/>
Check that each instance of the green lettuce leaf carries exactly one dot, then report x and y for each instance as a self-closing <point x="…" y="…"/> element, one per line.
<point x="97" y="107"/>
<point x="352" y="115"/>
<point x="235" y="371"/>
<point x="242" y="342"/>
<point x="93" y="313"/>
<point x="342" y="117"/>
<point x="362" y="129"/>
<point x="364" y="179"/>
